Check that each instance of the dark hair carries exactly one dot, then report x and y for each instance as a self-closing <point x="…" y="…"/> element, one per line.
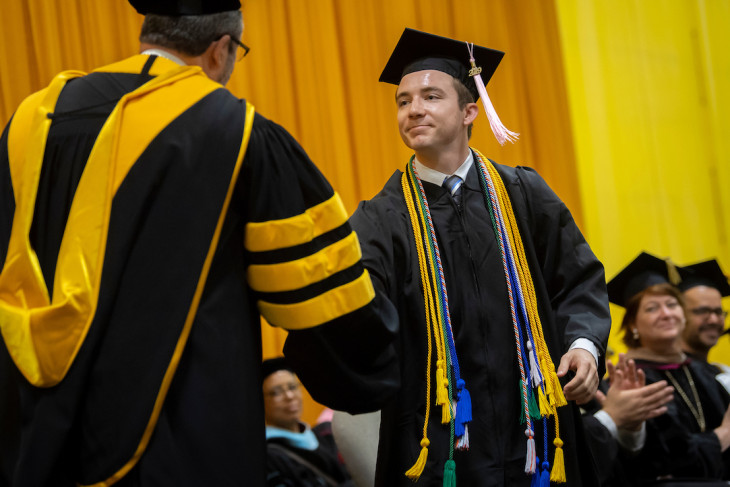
<point x="464" y="97"/>
<point x="272" y="365"/>
<point x="632" y="309"/>
<point x="190" y="34"/>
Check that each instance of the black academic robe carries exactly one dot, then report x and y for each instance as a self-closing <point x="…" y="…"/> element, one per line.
<point x="710" y="368"/>
<point x="166" y="387"/>
<point x="571" y="294"/>
<point x="675" y="444"/>
<point x="286" y="470"/>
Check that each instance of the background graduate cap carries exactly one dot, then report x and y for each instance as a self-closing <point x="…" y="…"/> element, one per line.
<point x="184" y="7"/>
<point x="644" y="271"/>
<point x="272" y="365"/>
<point x="706" y="273"/>
<point x="470" y="64"/>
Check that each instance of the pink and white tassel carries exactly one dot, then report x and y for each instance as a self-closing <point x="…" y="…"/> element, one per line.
<point x="530" y="458"/>
<point x="501" y="132"/>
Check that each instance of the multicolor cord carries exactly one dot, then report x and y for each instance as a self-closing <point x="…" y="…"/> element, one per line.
<point x="539" y="383"/>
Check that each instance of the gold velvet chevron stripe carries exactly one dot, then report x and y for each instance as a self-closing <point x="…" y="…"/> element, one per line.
<point x="296" y="274"/>
<point x="296" y="230"/>
<point x="326" y="307"/>
<point x="43" y="334"/>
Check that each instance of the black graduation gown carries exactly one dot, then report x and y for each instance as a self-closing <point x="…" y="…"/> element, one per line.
<point x="571" y="292"/>
<point x="210" y="428"/>
<point x="283" y="470"/>
<point x="675" y="444"/>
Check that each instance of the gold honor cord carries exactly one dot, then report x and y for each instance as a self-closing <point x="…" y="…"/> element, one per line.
<point x="442" y="360"/>
<point x="555" y="397"/>
<point x="434" y="321"/>
<point x="417" y="469"/>
<point x="552" y="384"/>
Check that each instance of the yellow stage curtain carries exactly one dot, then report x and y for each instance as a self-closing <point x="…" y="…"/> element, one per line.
<point x="649" y="88"/>
<point x="314" y="67"/>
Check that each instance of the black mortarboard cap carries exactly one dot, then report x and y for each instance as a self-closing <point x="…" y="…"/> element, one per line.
<point x="272" y="365"/>
<point x="418" y="50"/>
<point x="706" y="273"/>
<point x="184" y="7"/>
<point x="644" y="271"/>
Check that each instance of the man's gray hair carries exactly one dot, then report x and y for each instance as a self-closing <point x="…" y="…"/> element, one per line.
<point x="190" y="34"/>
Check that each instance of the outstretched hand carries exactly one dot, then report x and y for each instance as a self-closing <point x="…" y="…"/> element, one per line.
<point x="583" y="386"/>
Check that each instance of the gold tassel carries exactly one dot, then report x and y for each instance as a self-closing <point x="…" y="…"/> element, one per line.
<point x="414" y="473"/>
<point x="545" y="408"/>
<point x="558" y="472"/>
<point x="554" y="391"/>
<point x="672" y="273"/>
<point x="442" y="392"/>
<point x="446" y="413"/>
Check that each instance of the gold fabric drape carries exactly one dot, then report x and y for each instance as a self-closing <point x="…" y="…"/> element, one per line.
<point x="649" y="91"/>
<point x="313" y="68"/>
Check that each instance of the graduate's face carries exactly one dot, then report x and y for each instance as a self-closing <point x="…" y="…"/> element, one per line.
<point x="705" y="320"/>
<point x="429" y="117"/>
<point x="282" y="400"/>
<point x="659" y="321"/>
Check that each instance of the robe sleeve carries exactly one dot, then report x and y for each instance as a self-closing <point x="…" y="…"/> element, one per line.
<point x="603" y="447"/>
<point x="671" y="448"/>
<point x="305" y="267"/>
<point x="574" y="277"/>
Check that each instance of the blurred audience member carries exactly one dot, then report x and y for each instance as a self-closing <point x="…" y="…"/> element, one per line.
<point x="297" y="456"/>
<point x="703" y="286"/>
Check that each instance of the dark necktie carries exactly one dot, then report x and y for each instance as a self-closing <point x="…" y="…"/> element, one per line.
<point x="453" y="186"/>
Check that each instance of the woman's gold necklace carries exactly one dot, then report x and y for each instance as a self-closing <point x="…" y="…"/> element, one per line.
<point x="697" y="412"/>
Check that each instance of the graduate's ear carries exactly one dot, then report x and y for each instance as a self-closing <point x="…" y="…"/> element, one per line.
<point x="471" y="110"/>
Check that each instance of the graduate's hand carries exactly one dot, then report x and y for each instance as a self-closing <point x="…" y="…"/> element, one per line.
<point x="585" y="383"/>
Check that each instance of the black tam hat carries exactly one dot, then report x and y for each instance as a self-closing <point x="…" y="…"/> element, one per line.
<point x="643" y="272"/>
<point x="706" y="273"/>
<point x="184" y="7"/>
<point x="272" y="365"/>
<point x="470" y="64"/>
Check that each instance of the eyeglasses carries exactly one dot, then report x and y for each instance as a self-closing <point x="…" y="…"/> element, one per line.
<point x="240" y="54"/>
<point x="706" y="311"/>
<point x="277" y="393"/>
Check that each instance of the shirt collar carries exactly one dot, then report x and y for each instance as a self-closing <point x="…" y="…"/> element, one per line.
<point x="436" y="177"/>
<point x="165" y="54"/>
